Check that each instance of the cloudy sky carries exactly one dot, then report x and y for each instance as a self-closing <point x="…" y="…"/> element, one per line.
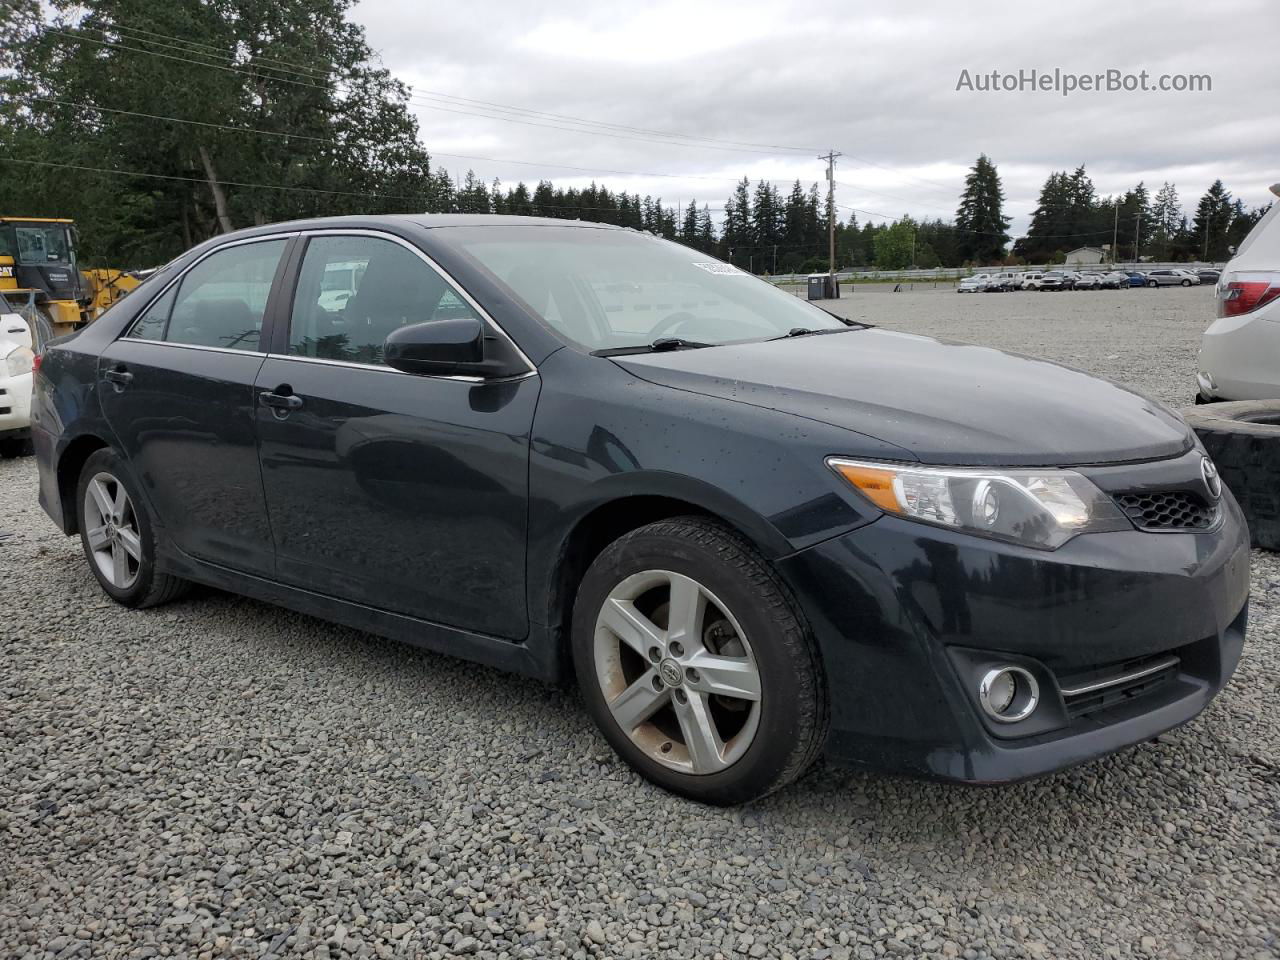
<point x="760" y="89"/>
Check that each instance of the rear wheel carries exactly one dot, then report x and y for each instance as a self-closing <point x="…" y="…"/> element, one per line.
<point x="695" y="663"/>
<point x="118" y="536"/>
<point x="1152" y="283"/>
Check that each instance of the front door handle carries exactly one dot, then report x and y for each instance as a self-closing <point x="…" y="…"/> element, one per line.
<point x="280" y="401"/>
<point x="119" y="375"/>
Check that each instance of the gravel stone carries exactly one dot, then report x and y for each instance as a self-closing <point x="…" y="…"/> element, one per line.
<point x="219" y="777"/>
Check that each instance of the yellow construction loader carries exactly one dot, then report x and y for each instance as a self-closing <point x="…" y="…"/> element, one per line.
<point x="40" y="278"/>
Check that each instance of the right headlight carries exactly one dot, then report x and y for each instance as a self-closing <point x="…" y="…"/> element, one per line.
<point x="18" y="361"/>
<point x="1038" y="507"/>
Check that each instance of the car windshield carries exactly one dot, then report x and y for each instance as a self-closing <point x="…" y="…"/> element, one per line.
<point x="615" y="289"/>
<point x="43" y="244"/>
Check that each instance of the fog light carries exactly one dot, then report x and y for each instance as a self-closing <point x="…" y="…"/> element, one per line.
<point x="1008" y="694"/>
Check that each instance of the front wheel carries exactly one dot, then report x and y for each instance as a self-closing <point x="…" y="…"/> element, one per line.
<point x="696" y="664"/>
<point x="118" y="536"/>
<point x="1186" y="283"/>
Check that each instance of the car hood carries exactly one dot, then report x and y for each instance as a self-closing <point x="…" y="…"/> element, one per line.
<point x="944" y="402"/>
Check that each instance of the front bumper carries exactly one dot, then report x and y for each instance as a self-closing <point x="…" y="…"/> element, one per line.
<point x="15" y="406"/>
<point x="905" y="614"/>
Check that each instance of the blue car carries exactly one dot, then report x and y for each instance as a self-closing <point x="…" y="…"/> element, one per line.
<point x="1136" y="279"/>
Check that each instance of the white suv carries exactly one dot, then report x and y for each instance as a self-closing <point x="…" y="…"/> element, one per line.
<point x="1238" y="352"/>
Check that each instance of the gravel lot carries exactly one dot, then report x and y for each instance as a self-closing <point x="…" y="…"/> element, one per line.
<point x="222" y="778"/>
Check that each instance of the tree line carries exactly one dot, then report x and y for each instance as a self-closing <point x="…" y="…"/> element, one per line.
<point x="275" y="110"/>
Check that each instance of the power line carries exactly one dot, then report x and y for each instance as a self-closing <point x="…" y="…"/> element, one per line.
<point x="277" y="186"/>
<point x="330" y="140"/>
<point x="439" y="95"/>
<point x="664" y="138"/>
<point x="436" y="101"/>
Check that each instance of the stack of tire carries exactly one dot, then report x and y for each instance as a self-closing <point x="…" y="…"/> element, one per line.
<point x="1243" y="438"/>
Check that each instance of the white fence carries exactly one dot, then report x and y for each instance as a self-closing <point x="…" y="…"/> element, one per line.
<point x="953" y="274"/>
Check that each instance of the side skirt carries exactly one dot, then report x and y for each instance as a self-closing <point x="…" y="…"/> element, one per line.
<point x="535" y="656"/>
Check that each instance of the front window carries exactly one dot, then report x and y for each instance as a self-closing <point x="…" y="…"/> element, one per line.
<point x="617" y="289"/>
<point x="354" y="291"/>
<point x="46" y="243"/>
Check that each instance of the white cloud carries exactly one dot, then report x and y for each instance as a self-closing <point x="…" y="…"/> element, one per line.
<point x="877" y="83"/>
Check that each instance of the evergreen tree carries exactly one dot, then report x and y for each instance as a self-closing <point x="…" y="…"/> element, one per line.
<point x="1166" y="215"/>
<point x="1242" y="222"/>
<point x="330" y="134"/>
<point x="706" y="231"/>
<point x="981" y="226"/>
<point x="1212" y="224"/>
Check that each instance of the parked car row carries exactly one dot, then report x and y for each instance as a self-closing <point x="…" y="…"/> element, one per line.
<point x="1090" y="280"/>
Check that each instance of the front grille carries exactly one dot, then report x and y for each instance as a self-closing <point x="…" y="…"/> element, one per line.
<point x="1092" y="690"/>
<point x="1174" y="510"/>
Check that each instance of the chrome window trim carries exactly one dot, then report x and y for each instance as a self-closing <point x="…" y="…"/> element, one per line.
<point x="196" y="346"/>
<point x="178" y="279"/>
<point x="383" y="368"/>
<point x="444" y="274"/>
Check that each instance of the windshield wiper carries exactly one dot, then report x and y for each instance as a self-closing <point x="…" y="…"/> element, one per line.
<point x="806" y="332"/>
<point x="661" y="345"/>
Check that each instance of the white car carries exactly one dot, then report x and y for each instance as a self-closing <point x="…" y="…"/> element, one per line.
<point x="973" y="284"/>
<point x="1238" y="353"/>
<point x="15" y="386"/>
<point x="1030" y="280"/>
<point x="1089" y="281"/>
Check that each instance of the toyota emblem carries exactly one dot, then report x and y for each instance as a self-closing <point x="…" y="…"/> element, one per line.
<point x="1212" y="481"/>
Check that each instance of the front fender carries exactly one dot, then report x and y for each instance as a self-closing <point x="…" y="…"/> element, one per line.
<point x="602" y="435"/>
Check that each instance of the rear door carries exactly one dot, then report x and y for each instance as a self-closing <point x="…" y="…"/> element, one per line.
<point x="178" y="391"/>
<point x="402" y="492"/>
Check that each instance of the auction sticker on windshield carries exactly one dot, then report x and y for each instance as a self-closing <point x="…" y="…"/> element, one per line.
<point x="719" y="269"/>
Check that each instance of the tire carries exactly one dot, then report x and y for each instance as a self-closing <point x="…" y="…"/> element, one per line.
<point x="1243" y="438"/>
<point x="131" y="536"/>
<point x="1186" y="283"/>
<point x="751" y="622"/>
<point x="1152" y="284"/>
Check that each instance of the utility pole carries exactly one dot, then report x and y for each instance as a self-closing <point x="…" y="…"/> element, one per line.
<point x="1115" y="234"/>
<point x="1208" y="218"/>
<point x="1137" y="235"/>
<point x="831" y="216"/>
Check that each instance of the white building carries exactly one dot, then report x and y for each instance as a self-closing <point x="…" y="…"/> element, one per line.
<point x="1085" y="256"/>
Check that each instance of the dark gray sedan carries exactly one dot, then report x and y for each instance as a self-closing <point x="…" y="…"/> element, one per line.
<point x="754" y="532"/>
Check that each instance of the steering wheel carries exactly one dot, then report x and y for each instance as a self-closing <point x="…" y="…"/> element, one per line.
<point x="668" y="323"/>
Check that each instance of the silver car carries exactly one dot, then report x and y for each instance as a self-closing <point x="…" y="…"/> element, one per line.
<point x="1172" y="278"/>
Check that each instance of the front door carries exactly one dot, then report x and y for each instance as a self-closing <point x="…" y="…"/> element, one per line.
<point x="178" y="390"/>
<point x="406" y="493"/>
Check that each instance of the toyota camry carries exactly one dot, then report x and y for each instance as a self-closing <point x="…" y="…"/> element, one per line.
<point x="754" y="532"/>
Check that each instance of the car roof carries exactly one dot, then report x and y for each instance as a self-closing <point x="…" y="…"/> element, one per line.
<point x="398" y="223"/>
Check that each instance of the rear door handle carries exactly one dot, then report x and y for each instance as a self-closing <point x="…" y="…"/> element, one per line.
<point x="280" y="401"/>
<point x="119" y="375"/>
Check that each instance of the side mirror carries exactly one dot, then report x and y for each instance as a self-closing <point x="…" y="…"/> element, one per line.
<point x="456" y="347"/>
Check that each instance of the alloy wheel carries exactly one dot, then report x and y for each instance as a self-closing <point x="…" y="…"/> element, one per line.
<point x="677" y="672"/>
<point x="111" y="528"/>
